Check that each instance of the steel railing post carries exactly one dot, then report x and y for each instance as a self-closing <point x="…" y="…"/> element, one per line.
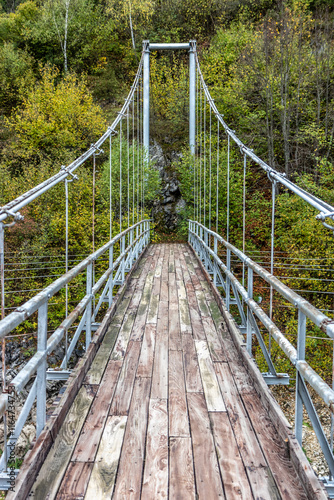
<point x="215" y="249"/>
<point x="123" y="259"/>
<point x="192" y="97"/>
<point x="89" y="280"/>
<point x="111" y="277"/>
<point x="228" y="281"/>
<point x="41" y="370"/>
<point x="249" y="324"/>
<point x="146" y="100"/>
<point x="301" y="341"/>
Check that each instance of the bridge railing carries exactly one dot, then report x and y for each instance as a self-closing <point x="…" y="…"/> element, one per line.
<point x="130" y="244"/>
<point x="205" y="243"/>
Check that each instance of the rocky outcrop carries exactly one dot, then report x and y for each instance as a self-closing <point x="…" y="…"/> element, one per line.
<point x="166" y="209"/>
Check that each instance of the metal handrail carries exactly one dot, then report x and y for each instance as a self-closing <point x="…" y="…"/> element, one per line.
<point x="138" y="237"/>
<point x="325" y="209"/>
<point x="199" y="238"/>
<point x="12" y="208"/>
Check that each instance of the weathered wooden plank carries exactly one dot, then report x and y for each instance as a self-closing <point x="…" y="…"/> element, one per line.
<point x="214" y="343"/>
<point x="121" y="344"/>
<point x="177" y="410"/>
<point x="54" y="467"/>
<point x="196" y="323"/>
<point x="120" y="311"/>
<point x="181" y="469"/>
<point x="213" y="397"/>
<point x="174" y="330"/>
<point x="160" y="367"/>
<point x="88" y="442"/>
<point x="236" y="485"/>
<point x="247" y="443"/>
<point x="156" y="285"/>
<point x="75" y="481"/>
<point x="129" y="476"/>
<point x="185" y="322"/>
<point x="152" y="315"/>
<point x="208" y="480"/>
<point x="95" y="373"/>
<point x="155" y="480"/>
<point x="171" y="265"/>
<point x="241" y="378"/>
<point x="145" y="364"/>
<point x="172" y="291"/>
<point x="140" y="321"/>
<point x="262" y="483"/>
<point x="122" y="397"/>
<point x="102" y="480"/>
<point x="202" y="305"/>
<point x="274" y="450"/>
<point x="178" y="269"/>
<point x="191" y="368"/>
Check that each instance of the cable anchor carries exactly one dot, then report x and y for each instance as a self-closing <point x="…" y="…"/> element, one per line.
<point x="322" y="217"/>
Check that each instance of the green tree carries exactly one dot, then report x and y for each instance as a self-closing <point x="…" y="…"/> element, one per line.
<point x="58" y="120"/>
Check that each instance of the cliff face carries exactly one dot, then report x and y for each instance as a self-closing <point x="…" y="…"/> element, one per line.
<point x="167" y="207"/>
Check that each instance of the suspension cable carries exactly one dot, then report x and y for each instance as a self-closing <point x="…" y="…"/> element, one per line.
<point x="217" y="180"/>
<point x="128" y="172"/>
<point x="228" y="192"/>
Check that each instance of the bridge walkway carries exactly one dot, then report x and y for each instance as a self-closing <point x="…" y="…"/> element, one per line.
<point x="167" y="408"/>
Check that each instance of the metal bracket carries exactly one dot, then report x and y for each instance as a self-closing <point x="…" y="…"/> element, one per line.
<point x="322" y="217"/>
<point x="329" y="485"/>
<point x="95" y="326"/>
<point x="279" y="379"/>
<point x="7" y="479"/>
<point x="74" y="176"/>
<point x="17" y="217"/>
<point x="57" y="374"/>
<point x="100" y="151"/>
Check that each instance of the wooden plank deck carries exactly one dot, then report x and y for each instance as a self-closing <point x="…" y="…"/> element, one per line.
<point x="170" y="411"/>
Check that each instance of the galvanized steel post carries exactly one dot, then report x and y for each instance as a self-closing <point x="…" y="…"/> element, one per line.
<point x="249" y="329"/>
<point x="300" y="356"/>
<point x="111" y="278"/>
<point x="41" y="370"/>
<point x="192" y="96"/>
<point x="146" y="99"/>
<point x="88" y="313"/>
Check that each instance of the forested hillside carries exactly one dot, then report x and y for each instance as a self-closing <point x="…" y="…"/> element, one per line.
<point x="66" y="66"/>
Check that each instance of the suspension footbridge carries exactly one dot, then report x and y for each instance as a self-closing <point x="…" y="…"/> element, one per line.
<point x="167" y="401"/>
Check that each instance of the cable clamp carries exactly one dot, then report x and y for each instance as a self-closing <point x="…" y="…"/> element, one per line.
<point x="74" y="176"/>
<point x="322" y="216"/>
<point x="17" y="216"/>
<point x="100" y="150"/>
<point x="113" y="131"/>
<point x="269" y="175"/>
